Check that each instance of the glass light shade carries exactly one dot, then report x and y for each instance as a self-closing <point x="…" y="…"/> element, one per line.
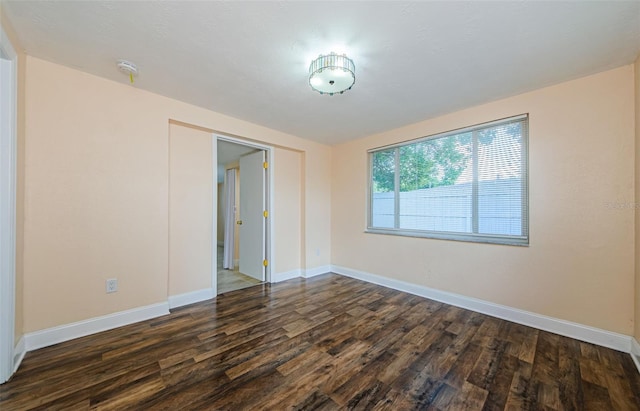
<point x="331" y="74"/>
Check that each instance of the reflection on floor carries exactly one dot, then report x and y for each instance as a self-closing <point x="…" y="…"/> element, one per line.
<point x="229" y="280"/>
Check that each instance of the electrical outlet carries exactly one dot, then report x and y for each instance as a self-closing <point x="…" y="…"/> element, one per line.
<point x="112" y="285"/>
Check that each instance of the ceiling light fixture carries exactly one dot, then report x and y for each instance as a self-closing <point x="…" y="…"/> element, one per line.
<point x="332" y="73"/>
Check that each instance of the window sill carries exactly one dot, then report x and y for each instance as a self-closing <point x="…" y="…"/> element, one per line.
<point x="469" y="238"/>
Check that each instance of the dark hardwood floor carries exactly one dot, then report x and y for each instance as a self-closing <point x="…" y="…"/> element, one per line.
<point x="326" y="343"/>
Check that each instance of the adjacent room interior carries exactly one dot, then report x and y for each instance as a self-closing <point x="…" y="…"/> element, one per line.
<point x="242" y="205"/>
<point x="230" y="225"/>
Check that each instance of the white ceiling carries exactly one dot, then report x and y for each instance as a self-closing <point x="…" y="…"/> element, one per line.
<point x="414" y="60"/>
<point x="229" y="152"/>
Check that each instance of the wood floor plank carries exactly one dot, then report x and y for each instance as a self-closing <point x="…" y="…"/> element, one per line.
<point x="354" y="389"/>
<point x="301" y="381"/>
<point x="498" y="389"/>
<point x="317" y="401"/>
<point x="520" y="396"/>
<point x="470" y="397"/>
<point x="324" y="343"/>
<point x="528" y="348"/>
<point x="487" y="365"/>
<point x="596" y="397"/>
<point x="569" y="382"/>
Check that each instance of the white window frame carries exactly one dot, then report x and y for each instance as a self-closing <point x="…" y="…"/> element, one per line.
<point x="522" y="240"/>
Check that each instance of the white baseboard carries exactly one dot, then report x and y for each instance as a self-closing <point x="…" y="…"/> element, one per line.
<point x="581" y="332"/>
<point x="635" y="352"/>
<point x="312" y="272"/>
<point x="179" y="300"/>
<point x="55" y="335"/>
<point x="18" y="354"/>
<point x="308" y="273"/>
<point x="286" y="275"/>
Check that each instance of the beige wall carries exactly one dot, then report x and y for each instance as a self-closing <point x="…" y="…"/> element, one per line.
<point x="287" y="210"/>
<point x="580" y="262"/>
<point x="19" y="283"/>
<point x="96" y="197"/>
<point x="637" y="199"/>
<point x="317" y="207"/>
<point x="191" y="209"/>
<point x="97" y="192"/>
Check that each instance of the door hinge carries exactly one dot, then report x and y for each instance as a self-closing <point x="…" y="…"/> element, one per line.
<point x="265" y="263"/>
<point x="265" y="165"/>
<point x="265" y="214"/>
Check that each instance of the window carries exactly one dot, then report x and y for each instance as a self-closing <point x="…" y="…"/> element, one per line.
<point x="468" y="184"/>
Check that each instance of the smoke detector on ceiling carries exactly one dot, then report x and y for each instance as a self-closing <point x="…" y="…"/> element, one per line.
<point x="128" y="68"/>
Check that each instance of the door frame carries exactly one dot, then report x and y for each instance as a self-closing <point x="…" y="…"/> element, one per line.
<point x="269" y="235"/>
<point x="8" y="139"/>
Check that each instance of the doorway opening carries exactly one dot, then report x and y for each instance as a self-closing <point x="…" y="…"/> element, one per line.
<point x="243" y="240"/>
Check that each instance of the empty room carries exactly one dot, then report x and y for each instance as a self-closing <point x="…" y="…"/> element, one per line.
<point x="319" y="205"/>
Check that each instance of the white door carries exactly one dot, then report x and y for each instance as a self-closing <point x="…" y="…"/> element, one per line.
<point x="252" y="219"/>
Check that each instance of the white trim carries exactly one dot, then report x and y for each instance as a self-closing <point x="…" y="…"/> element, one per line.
<point x="8" y="141"/>
<point x="214" y="221"/>
<point x="192" y="297"/>
<point x="635" y="352"/>
<point x="461" y="130"/>
<point x="55" y="335"/>
<point x="308" y="273"/>
<point x="312" y="272"/>
<point x="271" y="235"/>
<point x="286" y="275"/>
<point x="18" y="353"/>
<point x="581" y="332"/>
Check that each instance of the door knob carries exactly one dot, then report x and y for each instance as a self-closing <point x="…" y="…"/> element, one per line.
<point x="239" y="222"/>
